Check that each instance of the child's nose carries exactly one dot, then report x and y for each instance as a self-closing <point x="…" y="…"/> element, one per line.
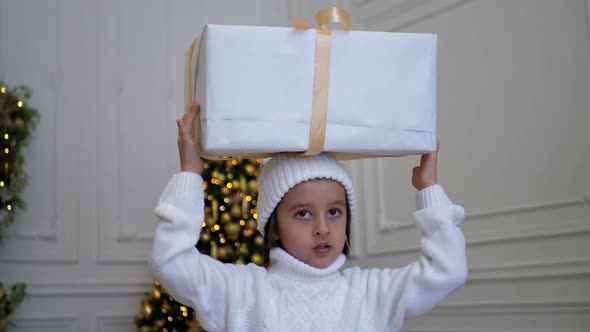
<point x="321" y="227"/>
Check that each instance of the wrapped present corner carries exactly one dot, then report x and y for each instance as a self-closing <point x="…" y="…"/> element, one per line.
<point x="266" y="90"/>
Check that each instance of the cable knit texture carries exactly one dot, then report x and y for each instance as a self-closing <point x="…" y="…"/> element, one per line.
<point x="293" y="296"/>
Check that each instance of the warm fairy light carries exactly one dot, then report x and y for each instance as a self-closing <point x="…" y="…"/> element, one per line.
<point x="204" y="185"/>
<point x="216" y="227"/>
<point x="5" y="136"/>
<point x="1" y="183"/>
<point x="19" y="104"/>
<point x="170" y="319"/>
<point x="248" y="198"/>
<point x="234" y="162"/>
<point x="229" y="185"/>
<point x="204" y="224"/>
<point x="259" y="160"/>
<point x="226" y="200"/>
<point x="183" y="308"/>
<point x="222" y="240"/>
<point x="242" y="222"/>
<point x="185" y="314"/>
<point x="3" y="89"/>
<point x="222" y="208"/>
<point x="6" y="151"/>
<point x="255" y="215"/>
<point x="237" y="244"/>
<point x="8" y="207"/>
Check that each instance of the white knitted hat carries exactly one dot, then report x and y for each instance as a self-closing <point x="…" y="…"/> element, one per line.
<point x="283" y="172"/>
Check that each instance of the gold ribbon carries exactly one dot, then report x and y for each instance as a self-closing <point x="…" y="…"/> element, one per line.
<point x="319" y="113"/>
<point x="189" y="76"/>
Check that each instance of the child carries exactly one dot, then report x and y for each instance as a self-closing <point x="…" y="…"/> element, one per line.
<point x="304" y="207"/>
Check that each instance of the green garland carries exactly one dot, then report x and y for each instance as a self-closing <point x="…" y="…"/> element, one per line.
<point x="17" y="120"/>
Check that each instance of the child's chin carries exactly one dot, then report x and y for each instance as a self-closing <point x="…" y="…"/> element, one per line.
<point x="321" y="263"/>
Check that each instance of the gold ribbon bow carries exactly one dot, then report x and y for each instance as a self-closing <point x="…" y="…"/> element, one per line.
<point x="319" y="115"/>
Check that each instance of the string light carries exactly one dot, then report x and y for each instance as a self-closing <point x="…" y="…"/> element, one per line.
<point x="19" y="104"/>
<point x="3" y="89"/>
<point x="6" y="136"/>
<point x="229" y="185"/>
<point x="6" y="151"/>
<point x="1" y="183"/>
<point x="8" y="207"/>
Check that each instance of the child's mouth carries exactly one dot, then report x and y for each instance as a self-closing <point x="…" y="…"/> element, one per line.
<point x="322" y="249"/>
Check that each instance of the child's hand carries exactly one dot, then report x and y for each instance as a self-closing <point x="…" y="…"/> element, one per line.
<point x="424" y="176"/>
<point x="188" y="148"/>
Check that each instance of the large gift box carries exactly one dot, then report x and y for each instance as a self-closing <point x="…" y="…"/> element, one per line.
<point x="266" y="90"/>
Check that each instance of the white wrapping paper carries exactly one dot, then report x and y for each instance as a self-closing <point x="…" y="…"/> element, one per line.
<point x="255" y="87"/>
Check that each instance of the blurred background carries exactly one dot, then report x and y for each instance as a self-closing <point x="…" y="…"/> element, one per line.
<point x="107" y="78"/>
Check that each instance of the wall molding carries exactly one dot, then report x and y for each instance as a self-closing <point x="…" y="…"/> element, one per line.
<point x="516" y="329"/>
<point x="588" y="21"/>
<point x="371" y="15"/>
<point x="96" y="288"/>
<point x="511" y="307"/>
<point x="578" y="209"/>
<point x="579" y="267"/>
<point x="61" y="322"/>
<point x="499" y="237"/>
<point x="104" y="321"/>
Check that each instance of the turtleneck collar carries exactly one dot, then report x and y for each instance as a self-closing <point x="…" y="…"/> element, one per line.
<point x="286" y="265"/>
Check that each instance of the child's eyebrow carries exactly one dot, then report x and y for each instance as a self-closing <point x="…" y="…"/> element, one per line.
<point x="307" y="205"/>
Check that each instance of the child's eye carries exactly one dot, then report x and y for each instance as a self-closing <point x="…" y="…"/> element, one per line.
<point x="303" y="214"/>
<point x="334" y="212"/>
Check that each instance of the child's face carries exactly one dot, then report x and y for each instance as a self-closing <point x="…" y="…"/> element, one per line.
<point x="312" y="221"/>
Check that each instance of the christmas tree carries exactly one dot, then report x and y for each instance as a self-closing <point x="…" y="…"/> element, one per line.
<point x="17" y="121"/>
<point x="229" y="233"/>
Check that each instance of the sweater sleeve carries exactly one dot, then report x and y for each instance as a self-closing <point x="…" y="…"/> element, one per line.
<point x="442" y="268"/>
<point x="391" y="295"/>
<point x="193" y="279"/>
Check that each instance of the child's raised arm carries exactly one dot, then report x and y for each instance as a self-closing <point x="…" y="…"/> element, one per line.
<point x="442" y="268"/>
<point x="194" y="279"/>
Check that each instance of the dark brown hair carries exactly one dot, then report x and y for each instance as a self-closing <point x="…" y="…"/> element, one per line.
<point x="271" y="235"/>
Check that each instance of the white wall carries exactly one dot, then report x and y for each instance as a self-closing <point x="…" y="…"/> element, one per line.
<point x="513" y="120"/>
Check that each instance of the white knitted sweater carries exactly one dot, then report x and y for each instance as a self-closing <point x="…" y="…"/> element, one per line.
<point x="293" y="296"/>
